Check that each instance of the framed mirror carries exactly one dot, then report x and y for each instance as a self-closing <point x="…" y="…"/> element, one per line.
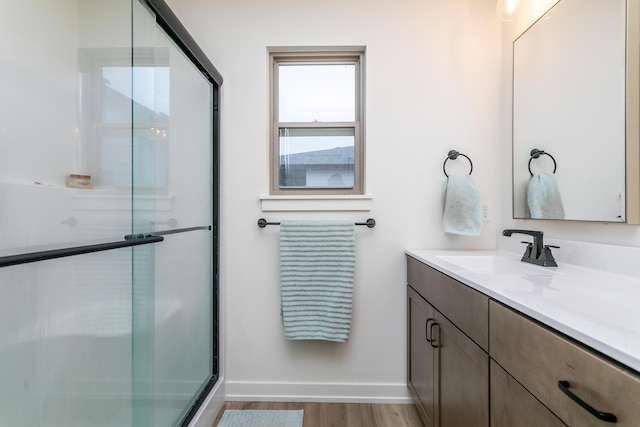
<point x="575" y="114"/>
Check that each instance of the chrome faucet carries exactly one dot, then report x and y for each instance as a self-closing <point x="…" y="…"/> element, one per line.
<point x="537" y="252"/>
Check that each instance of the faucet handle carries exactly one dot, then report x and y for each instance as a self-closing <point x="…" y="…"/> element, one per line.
<point x="547" y="257"/>
<point x="528" y="250"/>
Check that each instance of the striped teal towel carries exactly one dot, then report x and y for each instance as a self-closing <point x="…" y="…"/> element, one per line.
<point x="317" y="260"/>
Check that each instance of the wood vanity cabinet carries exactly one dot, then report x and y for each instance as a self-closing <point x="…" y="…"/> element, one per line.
<point x="473" y="361"/>
<point x="533" y="360"/>
<point x="448" y="364"/>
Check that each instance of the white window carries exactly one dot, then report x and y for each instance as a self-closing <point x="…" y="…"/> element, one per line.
<point x="317" y="114"/>
<point x="125" y="117"/>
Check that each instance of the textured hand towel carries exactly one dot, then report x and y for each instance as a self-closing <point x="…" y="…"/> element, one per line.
<point x="317" y="260"/>
<point x="543" y="197"/>
<point x="462" y="206"/>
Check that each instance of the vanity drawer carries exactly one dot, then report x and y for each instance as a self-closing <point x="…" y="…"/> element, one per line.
<point x="467" y="308"/>
<point x="539" y="358"/>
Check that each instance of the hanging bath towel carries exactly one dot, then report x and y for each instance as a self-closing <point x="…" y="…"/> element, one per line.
<point x="317" y="260"/>
<point x="543" y="197"/>
<point x="462" y="206"/>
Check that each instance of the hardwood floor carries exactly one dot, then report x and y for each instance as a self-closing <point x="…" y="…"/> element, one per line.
<point x="341" y="414"/>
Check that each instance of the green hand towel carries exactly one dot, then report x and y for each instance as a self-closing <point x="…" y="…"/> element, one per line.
<point x="317" y="260"/>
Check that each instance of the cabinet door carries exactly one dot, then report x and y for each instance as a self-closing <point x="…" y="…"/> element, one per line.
<point x="463" y="371"/>
<point x="513" y="406"/>
<point x="420" y="354"/>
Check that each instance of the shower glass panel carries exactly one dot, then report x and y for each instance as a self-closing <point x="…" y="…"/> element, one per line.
<point x="172" y="162"/>
<point x="107" y="292"/>
<point x="65" y="353"/>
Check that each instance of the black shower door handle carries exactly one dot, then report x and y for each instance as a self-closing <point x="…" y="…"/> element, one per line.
<point x="129" y="241"/>
<point x="30" y="257"/>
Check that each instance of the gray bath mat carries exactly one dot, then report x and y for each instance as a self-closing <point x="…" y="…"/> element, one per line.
<point x="261" y="418"/>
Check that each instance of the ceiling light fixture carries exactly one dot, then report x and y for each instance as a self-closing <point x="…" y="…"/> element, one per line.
<point x="507" y="10"/>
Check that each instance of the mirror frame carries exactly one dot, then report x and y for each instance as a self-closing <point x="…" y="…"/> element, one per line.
<point x="633" y="113"/>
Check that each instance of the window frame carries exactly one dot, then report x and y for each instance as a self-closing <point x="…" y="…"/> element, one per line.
<point x="319" y="56"/>
<point x="95" y="128"/>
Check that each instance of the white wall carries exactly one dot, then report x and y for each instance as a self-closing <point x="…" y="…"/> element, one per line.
<point x="617" y="234"/>
<point x="37" y="110"/>
<point x="433" y="84"/>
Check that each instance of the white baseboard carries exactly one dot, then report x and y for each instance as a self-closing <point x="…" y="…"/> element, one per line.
<point x="317" y="392"/>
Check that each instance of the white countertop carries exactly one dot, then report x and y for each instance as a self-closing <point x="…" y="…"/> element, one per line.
<point x="596" y="307"/>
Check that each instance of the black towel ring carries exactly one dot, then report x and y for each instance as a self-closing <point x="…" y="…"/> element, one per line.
<point x="535" y="153"/>
<point x="453" y="154"/>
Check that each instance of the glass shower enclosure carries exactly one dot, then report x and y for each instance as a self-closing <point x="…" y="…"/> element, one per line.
<point x="108" y="215"/>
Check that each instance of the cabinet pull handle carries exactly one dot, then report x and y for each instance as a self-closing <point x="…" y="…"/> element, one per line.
<point x="604" y="416"/>
<point x="433" y="342"/>
<point x="427" y="330"/>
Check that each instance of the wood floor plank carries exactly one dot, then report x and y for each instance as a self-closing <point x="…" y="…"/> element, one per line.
<point x="312" y="415"/>
<point x="397" y="415"/>
<point x="340" y="414"/>
<point x="331" y="415"/>
<point x="361" y="414"/>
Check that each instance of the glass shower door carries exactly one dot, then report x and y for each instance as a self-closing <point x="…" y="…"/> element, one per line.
<point x="172" y="197"/>
<point x="106" y="282"/>
<point x="65" y="268"/>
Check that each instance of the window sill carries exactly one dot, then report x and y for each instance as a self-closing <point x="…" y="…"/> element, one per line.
<point x="316" y="203"/>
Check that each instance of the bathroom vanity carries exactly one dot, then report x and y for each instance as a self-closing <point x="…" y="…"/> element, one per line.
<point x="495" y="342"/>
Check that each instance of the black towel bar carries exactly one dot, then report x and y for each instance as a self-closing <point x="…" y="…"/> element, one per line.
<point x="262" y="223"/>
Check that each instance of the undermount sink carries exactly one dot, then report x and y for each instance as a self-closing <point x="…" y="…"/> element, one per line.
<point x="492" y="264"/>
